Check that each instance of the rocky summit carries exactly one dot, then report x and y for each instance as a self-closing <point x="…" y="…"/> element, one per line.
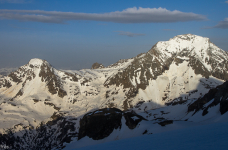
<point x="175" y="80"/>
<point x="97" y="66"/>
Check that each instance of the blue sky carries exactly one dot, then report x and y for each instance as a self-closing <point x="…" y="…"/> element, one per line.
<point x="73" y="34"/>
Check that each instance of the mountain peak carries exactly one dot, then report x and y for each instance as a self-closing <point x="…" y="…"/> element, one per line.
<point x="36" y="62"/>
<point x="191" y="38"/>
<point x="187" y="36"/>
<point x="186" y="42"/>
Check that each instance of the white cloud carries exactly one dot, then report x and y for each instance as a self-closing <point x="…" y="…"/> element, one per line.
<point x="129" y="15"/>
<point x="222" y="24"/>
<point x="226" y="2"/>
<point x="130" y="34"/>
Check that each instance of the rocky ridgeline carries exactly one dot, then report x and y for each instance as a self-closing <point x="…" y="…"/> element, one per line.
<point x="97" y="66"/>
<point x="186" y="70"/>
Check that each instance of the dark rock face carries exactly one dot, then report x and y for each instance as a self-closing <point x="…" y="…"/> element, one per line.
<point x="5" y="83"/>
<point x="14" y="77"/>
<point x="166" y="122"/>
<point x="219" y="95"/>
<point x="223" y="106"/>
<point x="101" y="123"/>
<point x="97" y="66"/>
<point x="132" y="119"/>
<point x="71" y="77"/>
<point x="51" y="104"/>
<point x="53" y="82"/>
<point x="198" y="67"/>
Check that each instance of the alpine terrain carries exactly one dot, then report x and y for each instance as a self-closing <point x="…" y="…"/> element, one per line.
<point x="176" y="84"/>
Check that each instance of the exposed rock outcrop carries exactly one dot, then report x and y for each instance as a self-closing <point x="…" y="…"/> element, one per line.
<point x="218" y="95"/>
<point x="101" y="123"/>
<point x="97" y="66"/>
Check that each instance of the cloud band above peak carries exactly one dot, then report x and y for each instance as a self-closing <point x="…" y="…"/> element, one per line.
<point x="129" y="15"/>
<point x="222" y="24"/>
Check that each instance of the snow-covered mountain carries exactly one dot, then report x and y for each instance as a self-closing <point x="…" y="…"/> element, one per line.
<point x="167" y="83"/>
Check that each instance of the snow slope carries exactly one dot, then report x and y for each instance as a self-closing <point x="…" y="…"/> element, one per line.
<point x="175" y="117"/>
<point x="160" y="85"/>
<point x="210" y="136"/>
<point x="184" y="67"/>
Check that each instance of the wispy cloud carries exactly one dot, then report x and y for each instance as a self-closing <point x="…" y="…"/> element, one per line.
<point x="129" y="34"/>
<point x="129" y="15"/>
<point x="13" y="1"/>
<point x="222" y="24"/>
<point x="226" y="2"/>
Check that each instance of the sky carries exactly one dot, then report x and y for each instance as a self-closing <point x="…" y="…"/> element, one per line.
<point x="74" y="34"/>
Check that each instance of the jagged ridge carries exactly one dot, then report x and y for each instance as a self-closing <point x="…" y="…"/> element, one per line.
<point x="185" y="67"/>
